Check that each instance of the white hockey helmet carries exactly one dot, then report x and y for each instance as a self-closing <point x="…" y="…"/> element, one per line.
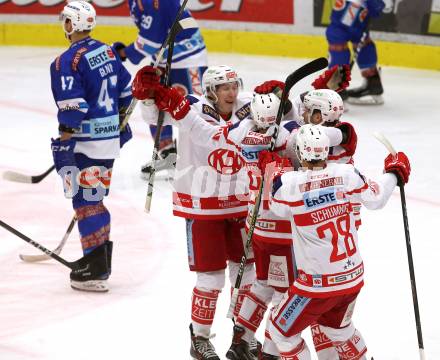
<point x="312" y="143"/>
<point x="327" y="101"/>
<point x="81" y="14"/>
<point x="264" y="109"/>
<point x="218" y="75"/>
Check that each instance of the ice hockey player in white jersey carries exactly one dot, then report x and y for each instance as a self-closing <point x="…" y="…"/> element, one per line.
<point x="325" y="107"/>
<point x="272" y="244"/>
<point x="247" y="137"/>
<point x="317" y="200"/>
<point x="207" y="190"/>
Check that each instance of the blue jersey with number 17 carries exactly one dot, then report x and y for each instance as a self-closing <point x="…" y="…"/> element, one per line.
<point x="90" y="85"/>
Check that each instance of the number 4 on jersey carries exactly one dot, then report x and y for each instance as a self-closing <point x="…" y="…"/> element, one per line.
<point x="104" y="99"/>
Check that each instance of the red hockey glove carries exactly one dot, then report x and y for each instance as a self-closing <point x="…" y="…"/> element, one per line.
<point x="145" y="82"/>
<point x="336" y="78"/>
<point x="266" y="157"/>
<point x="399" y="165"/>
<point x="172" y="101"/>
<point x="269" y="86"/>
<point x="349" y="137"/>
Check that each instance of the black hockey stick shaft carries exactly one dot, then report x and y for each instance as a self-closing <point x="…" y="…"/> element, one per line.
<point x="291" y="80"/>
<point x="70" y="265"/>
<point x="411" y="270"/>
<point x="390" y="148"/>
<point x="38" y="178"/>
<point x="175" y="29"/>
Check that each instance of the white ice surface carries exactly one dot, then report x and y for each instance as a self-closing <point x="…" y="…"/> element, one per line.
<point x="147" y="311"/>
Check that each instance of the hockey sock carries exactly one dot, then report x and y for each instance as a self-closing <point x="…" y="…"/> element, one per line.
<point x="251" y="314"/>
<point x="301" y="352"/>
<point x="323" y="345"/>
<point x="93" y="225"/>
<point x="204" y="303"/>
<point x="339" y="54"/>
<point x="367" y="57"/>
<point x="352" y="349"/>
<point x="242" y="292"/>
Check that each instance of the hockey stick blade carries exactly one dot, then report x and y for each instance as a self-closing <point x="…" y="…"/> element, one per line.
<point x="74" y="265"/>
<point x="26" y="179"/>
<point x="57" y="250"/>
<point x="305" y="70"/>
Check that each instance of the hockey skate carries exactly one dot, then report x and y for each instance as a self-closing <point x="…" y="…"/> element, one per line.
<point x="239" y="349"/>
<point x="255" y="347"/>
<point x="265" y="356"/>
<point x="201" y="347"/>
<point x="369" y="93"/>
<point x="166" y="161"/>
<point x="93" y="270"/>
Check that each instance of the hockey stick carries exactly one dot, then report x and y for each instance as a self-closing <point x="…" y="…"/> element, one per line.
<point x="359" y="46"/>
<point x="182" y="24"/>
<point x="57" y="250"/>
<point x="292" y="79"/>
<point x="412" y="275"/>
<point x="27" y="179"/>
<point x="175" y="28"/>
<point x="74" y="265"/>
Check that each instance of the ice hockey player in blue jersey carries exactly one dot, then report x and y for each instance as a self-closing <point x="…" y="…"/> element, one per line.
<point x="349" y="22"/>
<point x="91" y="88"/>
<point x="153" y="19"/>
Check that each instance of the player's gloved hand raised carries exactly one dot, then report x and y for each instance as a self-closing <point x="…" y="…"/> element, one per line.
<point x="336" y="78"/>
<point x="266" y="157"/>
<point x="119" y="49"/>
<point x="349" y="138"/>
<point x="375" y="7"/>
<point x="172" y="101"/>
<point x="145" y="82"/>
<point x="269" y="86"/>
<point x="399" y="165"/>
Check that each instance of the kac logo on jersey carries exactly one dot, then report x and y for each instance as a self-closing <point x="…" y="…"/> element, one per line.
<point x="318" y="198"/>
<point x="225" y="162"/>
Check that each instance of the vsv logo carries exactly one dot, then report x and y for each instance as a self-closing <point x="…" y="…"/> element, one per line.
<point x="225" y="161"/>
<point x="317" y="198"/>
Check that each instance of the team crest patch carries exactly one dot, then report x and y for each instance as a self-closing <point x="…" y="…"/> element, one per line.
<point x="208" y="110"/>
<point x="225" y="162"/>
<point x="243" y="112"/>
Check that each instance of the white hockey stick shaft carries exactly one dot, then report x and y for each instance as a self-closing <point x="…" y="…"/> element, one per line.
<point x="57" y="250"/>
<point x="381" y="137"/>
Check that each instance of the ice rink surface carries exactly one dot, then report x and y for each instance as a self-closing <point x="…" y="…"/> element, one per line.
<point x="147" y="311"/>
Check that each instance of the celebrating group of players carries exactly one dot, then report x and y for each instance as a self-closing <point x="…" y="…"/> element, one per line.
<point x="305" y="259"/>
